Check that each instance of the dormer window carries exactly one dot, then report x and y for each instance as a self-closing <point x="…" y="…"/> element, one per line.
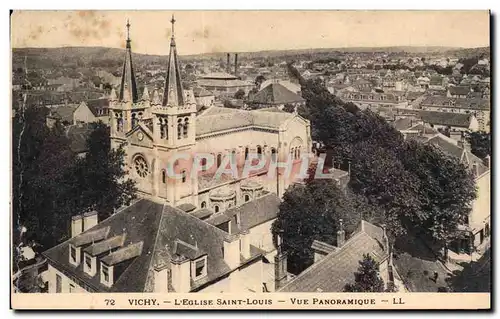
<point x="89" y="266"/>
<point x="199" y="268"/>
<point x="106" y="275"/>
<point x="74" y="255"/>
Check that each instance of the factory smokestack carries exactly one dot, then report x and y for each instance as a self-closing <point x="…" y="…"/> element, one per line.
<point x="228" y="63"/>
<point x="236" y="64"/>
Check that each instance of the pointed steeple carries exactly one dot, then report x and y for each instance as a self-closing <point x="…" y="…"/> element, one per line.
<point x="128" y="87"/>
<point x="173" y="94"/>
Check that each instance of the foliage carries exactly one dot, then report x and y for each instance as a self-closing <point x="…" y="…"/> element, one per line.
<point x="480" y="143"/>
<point x="50" y="184"/>
<point x="290" y="108"/>
<point x="312" y="212"/>
<point x="259" y="80"/>
<point x="240" y="94"/>
<point x="367" y="278"/>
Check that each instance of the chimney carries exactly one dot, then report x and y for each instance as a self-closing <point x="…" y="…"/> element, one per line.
<point x="232" y="251"/>
<point x="228" y="63"/>
<point x="280" y="265"/>
<point x="245" y="244"/>
<point x="89" y="220"/>
<point x="236" y="64"/>
<point x="161" y="279"/>
<point x="340" y="234"/>
<point x="76" y="225"/>
<point x="181" y="273"/>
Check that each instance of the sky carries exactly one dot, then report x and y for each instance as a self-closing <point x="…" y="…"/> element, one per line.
<point x="244" y="31"/>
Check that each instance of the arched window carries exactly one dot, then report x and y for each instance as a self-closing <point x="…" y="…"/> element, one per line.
<point x="246" y="152"/>
<point x="233" y="157"/>
<point x="179" y="129"/>
<point x="186" y="127"/>
<point x="134" y="120"/>
<point x="259" y="152"/>
<point x="183" y="174"/>
<point x="163" y="128"/>
<point x="216" y="208"/>
<point x="203" y="164"/>
<point x="219" y="160"/>
<point x="298" y="152"/>
<point x="273" y="154"/>
<point x="247" y="198"/>
<point x="163" y="176"/>
<point x="203" y="204"/>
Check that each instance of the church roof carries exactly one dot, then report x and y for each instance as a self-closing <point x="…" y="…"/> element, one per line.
<point x="275" y="94"/>
<point x="218" y="119"/>
<point x="128" y="85"/>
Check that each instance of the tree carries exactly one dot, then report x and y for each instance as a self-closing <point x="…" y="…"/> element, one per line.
<point x="259" y="80"/>
<point x="480" y="143"/>
<point x="311" y="212"/>
<point x="367" y="278"/>
<point x="102" y="175"/>
<point x="240" y="94"/>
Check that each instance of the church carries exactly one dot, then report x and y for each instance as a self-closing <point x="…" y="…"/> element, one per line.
<point x="193" y="229"/>
<point x="158" y="127"/>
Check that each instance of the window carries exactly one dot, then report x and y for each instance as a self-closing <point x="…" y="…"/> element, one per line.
<point x="247" y="198"/>
<point x="186" y="128"/>
<point x="163" y="176"/>
<point x="105" y="272"/>
<point x="203" y="204"/>
<point x="273" y="154"/>
<point x="199" y="268"/>
<point x="183" y="173"/>
<point x="216" y="208"/>
<point x="71" y="288"/>
<point x="259" y="152"/>
<point x="233" y="157"/>
<point x="179" y="129"/>
<point x="163" y="129"/>
<point x="73" y="253"/>
<point x="246" y="153"/>
<point x="219" y="160"/>
<point x="141" y="166"/>
<point x="88" y="264"/>
<point x="134" y="120"/>
<point x="203" y="164"/>
<point x="58" y="283"/>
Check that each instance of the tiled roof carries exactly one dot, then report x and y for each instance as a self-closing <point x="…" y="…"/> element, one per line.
<point x="63" y="113"/>
<point x="459" y="90"/>
<point x="335" y="270"/>
<point x="105" y="245"/>
<point x="186" y="207"/>
<point x="78" y="135"/>
<point x="463" y="103"/>
<point x="94" y="105"/>
<point x="139" y="222"/>
<point x="123" y="254"/>
<point x="275" y="94"/>
<point x="200" y="92"/>
<point x="202" y="213"/>
<point x="224" y="83"/>
<point x="446" y="118"/>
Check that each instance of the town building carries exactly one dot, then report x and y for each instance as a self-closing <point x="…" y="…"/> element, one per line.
<point x="275" y="95"/>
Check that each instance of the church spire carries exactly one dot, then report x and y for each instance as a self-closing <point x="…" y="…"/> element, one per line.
<point x="173" y="94"/>
<point x="128" y="87"/>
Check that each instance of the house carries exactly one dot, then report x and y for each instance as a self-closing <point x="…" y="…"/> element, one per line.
<point x="375" y="100"/>
<point x="78" y="135"/>
<point x="460" y="91"/>
<point x="334" y="266"/>
<point x="63" y="113"/>
<point x="275" y="95"/>
<point x="92" y="111"/>
<point x="224" y="84"/>
<point x="477" y="106"/>
<point x="153" y="247"/>
<point x="461" y="122"/>
<point x="203" y="97"/>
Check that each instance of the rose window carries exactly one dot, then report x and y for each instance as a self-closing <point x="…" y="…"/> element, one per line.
<point x="141" y="167"/>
